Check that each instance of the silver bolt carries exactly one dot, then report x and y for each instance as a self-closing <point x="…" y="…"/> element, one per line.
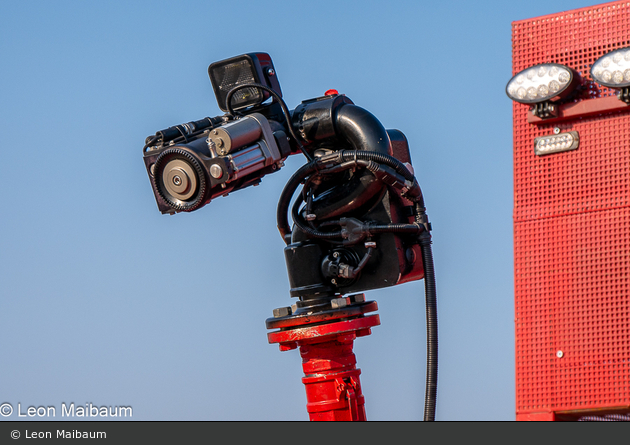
<point x="357" y="298"/>
<point x="216" y="171"/>
<point x="559" y="354"/>
<point x="557" y="130"/>
<point x="271" y="72"/>
<point x="281" y="312"/>
<point x="177" y="180"/>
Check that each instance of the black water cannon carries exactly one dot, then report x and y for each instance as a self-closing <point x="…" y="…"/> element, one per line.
<point x="358" y="223"/>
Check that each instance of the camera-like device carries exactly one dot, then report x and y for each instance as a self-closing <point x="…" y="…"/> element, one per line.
<point x="192" y="163"/>
<point x="357" y="218"/>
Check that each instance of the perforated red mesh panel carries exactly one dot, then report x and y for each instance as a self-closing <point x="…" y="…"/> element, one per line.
<point x="572" y="229"/>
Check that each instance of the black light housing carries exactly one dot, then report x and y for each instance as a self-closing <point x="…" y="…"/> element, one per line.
<point x="245" y="69"/>
<point x="542" y="83"/>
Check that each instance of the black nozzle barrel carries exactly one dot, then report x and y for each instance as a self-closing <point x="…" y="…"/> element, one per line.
<point x="187" y="129"/>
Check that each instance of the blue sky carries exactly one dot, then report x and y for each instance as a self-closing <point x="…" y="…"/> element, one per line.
<point x="104" y="300"/>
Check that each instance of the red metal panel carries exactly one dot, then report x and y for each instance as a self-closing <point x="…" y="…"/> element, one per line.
<point x="572" y="229"/>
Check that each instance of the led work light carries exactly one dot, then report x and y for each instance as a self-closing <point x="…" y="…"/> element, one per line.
<point x="540" y="84"/>
<point x="555" y="143"/>
<point x="613" y="70"/>
<point x="253" y="68"/>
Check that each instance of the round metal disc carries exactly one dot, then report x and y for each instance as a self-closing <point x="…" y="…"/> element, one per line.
<point x="179" y="179"/>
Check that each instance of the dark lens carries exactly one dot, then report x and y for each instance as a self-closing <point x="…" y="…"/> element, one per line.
<point x="226" y="77"/>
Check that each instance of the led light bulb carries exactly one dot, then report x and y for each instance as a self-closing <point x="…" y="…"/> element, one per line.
<point x="532" y="93"/>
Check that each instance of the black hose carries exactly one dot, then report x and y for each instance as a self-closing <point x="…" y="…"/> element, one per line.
<point x="311" y="232"/>
<point x="284" y="202"/>
<point x="430" y="295"/>
<point x="349" y="155"/>
<point x="396" y="228"/>
<point x="362" y="263"/>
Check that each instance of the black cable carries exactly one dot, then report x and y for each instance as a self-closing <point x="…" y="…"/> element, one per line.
<point x="290" y="187"/>
<point x="412" y="229"/>
<point x="179" y="128"/>
<point x="362" y="263"/>
<point x="282" y="212"/>
<point x="430" y="295"/>
<point x="150" y="142"/>
<point x="283" y="106"/>
<point x="349" y="155"/>
<point x="297" y="219"/>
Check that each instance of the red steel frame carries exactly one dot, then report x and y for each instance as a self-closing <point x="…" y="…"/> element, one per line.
<point x="572" y="229"/>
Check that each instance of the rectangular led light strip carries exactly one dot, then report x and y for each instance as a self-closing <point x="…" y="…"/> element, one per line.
<point x="554" y="143"/>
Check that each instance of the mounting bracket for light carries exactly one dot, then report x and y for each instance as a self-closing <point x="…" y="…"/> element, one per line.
<point x="624" y="94"/>
<point x="545" y="110"/>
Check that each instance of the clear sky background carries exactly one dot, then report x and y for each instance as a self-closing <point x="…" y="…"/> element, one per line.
<point x="103" y="300"/>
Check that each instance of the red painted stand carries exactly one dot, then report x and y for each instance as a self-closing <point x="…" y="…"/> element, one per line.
<point x="326" y="339"/>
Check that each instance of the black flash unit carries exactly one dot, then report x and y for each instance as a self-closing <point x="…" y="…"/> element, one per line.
<point x="245" y="69"/>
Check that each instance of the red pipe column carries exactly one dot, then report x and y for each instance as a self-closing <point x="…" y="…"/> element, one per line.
<point x="326" y="341"/>
<point x="333" y="387"/>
